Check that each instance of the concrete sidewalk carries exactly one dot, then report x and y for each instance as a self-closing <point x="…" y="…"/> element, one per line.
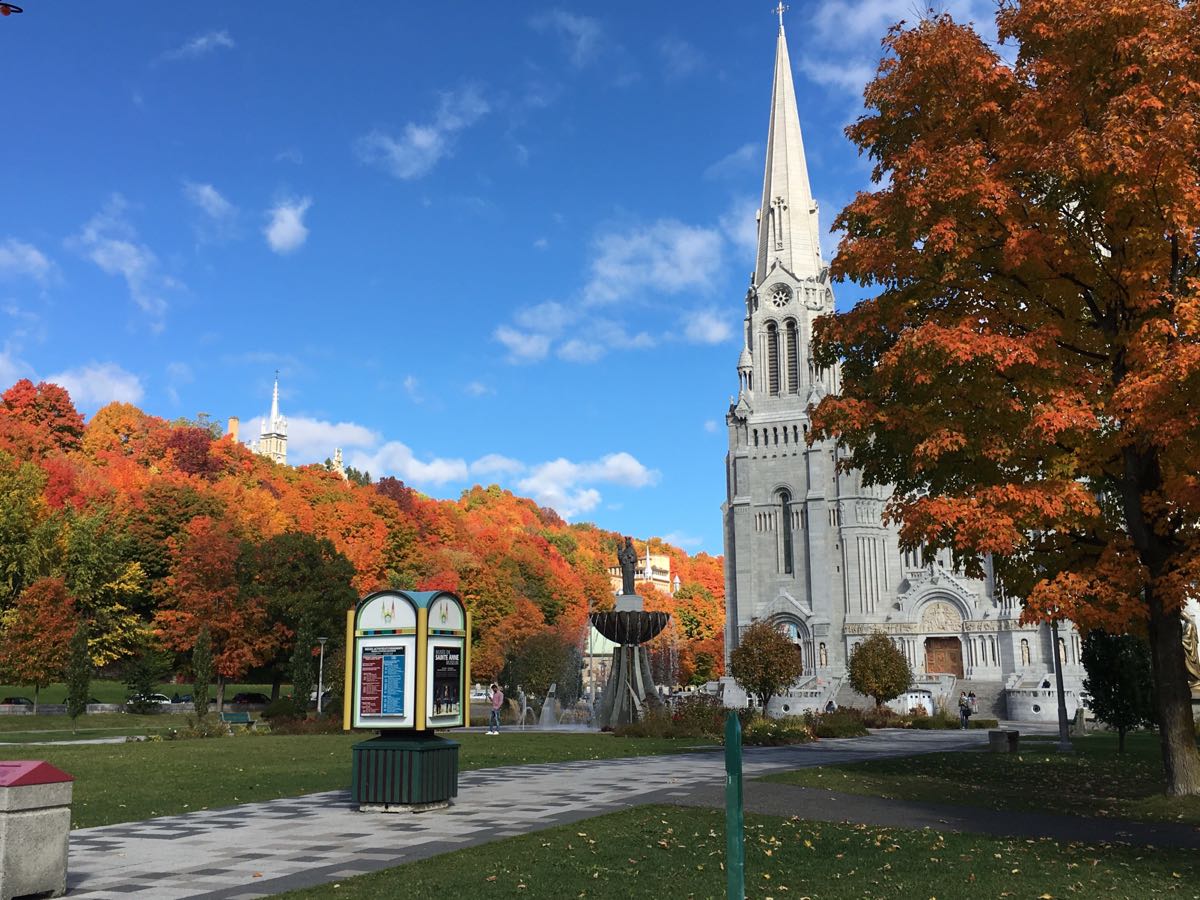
<point x="259" y="849"/>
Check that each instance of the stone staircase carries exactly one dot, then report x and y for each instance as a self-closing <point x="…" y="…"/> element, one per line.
<point x="989" y="697"/>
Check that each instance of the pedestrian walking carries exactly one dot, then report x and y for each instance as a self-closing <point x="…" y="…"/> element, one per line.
<point x="497" y="698"/>
<point x="964" y="710"/>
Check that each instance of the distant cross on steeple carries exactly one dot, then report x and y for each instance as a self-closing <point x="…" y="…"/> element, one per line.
<point x="781" y="9"/>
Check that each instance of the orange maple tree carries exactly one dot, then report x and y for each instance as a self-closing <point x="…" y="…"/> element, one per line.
<point x="35" y="635"/>
<point x="1027" y="375"/>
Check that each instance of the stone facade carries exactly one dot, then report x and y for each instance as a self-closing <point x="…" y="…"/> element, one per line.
<point x="805" y="545"/>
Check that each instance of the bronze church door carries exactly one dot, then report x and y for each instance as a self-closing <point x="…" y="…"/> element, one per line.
<point x="944" y="655"/>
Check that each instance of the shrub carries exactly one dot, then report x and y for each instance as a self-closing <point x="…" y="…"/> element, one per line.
<point x="879" y="669"/>
<point x="654" y="725"/>
<point x="198" y="729"/>
<point x="699" y="715"/>
<point x="764" y="732"/>
<point x="283" y="708"/>
<point x="841" y="723"/>
<point x="939" y="721"/>
<point x="984" y="723"/>
<point x="882" y="717"/>
<point x="322" y="725"/>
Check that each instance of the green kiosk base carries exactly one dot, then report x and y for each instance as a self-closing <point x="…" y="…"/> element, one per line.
<point x="404" y="771"/>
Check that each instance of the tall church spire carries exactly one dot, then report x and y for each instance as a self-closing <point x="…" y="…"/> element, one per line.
<point x="787" y="224"/>
<point x="275" y="401"/>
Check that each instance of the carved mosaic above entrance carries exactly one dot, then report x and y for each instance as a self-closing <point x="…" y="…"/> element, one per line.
<point x="941" y="616"/>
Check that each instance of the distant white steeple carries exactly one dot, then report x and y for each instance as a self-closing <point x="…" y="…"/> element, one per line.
<point x="272" y="440"/>
<point x="787" y="220"/>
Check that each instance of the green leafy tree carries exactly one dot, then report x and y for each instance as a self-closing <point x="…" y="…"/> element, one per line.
<point x="765" y="663"/>
<point x="1120" y="680"/>
<point x="202" y="667"/>
<point x="305" y="585"/>
<point x="542" y="660"/>
<point x="878" y="669"/>
<point x="301" y="669"/>
<point x="79" y="674"/>
<point x="144" y="671"/>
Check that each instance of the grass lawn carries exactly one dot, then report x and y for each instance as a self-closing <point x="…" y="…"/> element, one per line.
<point x="127" y="782"/>
<point x="662" y="851"/>
<point x="1094" y="781"/>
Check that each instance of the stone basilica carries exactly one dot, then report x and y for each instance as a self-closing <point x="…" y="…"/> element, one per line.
<point x="805" y="546"/>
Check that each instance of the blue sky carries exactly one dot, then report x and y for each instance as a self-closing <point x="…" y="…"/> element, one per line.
<point x="480" y="242"/>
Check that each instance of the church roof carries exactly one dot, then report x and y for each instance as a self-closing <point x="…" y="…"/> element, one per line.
<point x="787" y="227"/>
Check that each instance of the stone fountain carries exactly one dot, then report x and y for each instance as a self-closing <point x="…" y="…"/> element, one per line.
<point x="630" y="692"/>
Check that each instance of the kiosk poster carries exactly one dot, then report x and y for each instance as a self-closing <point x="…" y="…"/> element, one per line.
<point x="381" y="684"/>
<point x="447" y="681"/>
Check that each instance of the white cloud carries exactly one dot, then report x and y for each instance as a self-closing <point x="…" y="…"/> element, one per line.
<point x="740" y="225"/>
<point x="422" y="146"/>
<point x="582" y="36"/>
<point x="478" y="389"/>
<point x="550" y="317"/>
<point x="667" y="255"/>
<point x="200" y="45"/>
<point x="412" y="387"/>
<point x="580" y="351"/>
<point x="12" y="368"/>
<point x="850" y="76"/>
<point x="18" y="258"/>
<point x="567" y="486"/>
<point x="495" y="464"/>
<point x="707" y="327"/>
<point x="744" y="159"/>
<point x="96" y="384"/>
<point x="710" y="425"/>
<point x="111" y="243"/>
<point x="522" y="346"/>
<point x="541" y="243"/>
<point x="679" y="539"/>
<point x="286" y="232"/>
<point x="313" y="440"/>
<point x="209" y="200"/>
<point x="680" y="59"/>
<point x="395" y="458"/>
<point x="178" y="374"/>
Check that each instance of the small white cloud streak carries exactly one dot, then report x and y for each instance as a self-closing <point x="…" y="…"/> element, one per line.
<point x="200" y="45"/>
<point x="493" y="464"/>
<point x="582" y="36"/>
<point x="680" y="58"/>
<point x="744" y="159"/>
<point x="707" y="327"/>
<point x="111" y="243"/>
<point x="286" y="231"/>
<point x="566" y="485"/>
<point x="667" y="255"/>
<point x="21" y="259"/>
<point x="522" y="346"/>
<point x="208" y="199"/>
<point x="422" y="146"/>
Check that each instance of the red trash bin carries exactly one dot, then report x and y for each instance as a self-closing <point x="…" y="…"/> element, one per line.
<point x="35" y="825"/>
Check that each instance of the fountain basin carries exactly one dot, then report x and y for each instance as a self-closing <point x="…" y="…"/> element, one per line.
<point x="630" y="627"/>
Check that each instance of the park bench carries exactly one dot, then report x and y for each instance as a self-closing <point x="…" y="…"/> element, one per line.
<point x="237" y="718"/>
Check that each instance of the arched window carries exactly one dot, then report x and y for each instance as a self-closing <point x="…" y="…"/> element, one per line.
<point x="793" y="357"/>
<point x="785" y="505"/>
<point x="772" y="358"/>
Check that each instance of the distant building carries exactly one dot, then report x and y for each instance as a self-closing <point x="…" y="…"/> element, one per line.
<point x="272" y="442"/>
<point x="653" y="569"/>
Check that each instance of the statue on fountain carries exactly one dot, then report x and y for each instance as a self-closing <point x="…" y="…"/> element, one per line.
<point x="630" y="693"/>
<point x="627" y="559"/>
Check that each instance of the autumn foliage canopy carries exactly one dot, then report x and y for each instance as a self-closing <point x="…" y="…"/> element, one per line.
<point x="1027" y="373"/>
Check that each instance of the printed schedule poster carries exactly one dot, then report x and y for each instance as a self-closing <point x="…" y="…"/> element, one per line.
<point x="447" y="681"/>
<point x="381" y="683"/>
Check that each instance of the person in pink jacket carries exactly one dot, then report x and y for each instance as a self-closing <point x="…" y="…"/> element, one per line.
<point x="497" y="698"/>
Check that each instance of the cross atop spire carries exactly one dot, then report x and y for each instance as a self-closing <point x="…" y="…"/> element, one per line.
<point x="781" y="9"/>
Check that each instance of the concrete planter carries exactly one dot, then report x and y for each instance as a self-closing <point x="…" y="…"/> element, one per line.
<point x="35" y="822"/>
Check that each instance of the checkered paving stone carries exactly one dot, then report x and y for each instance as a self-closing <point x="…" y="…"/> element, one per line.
<point x="259" y="849"/>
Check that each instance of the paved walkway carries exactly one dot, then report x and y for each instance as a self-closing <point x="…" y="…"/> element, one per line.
<point x="259" y="849"/>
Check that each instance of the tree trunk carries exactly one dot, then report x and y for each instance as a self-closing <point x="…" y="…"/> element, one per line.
<point x="220" y="693"/>
<point x="1121" y="739"/>
<point x="36" y="689"/>
<point x="1142" y="477"/>
<point x="1173" y="700"/>
<point x="276" y="682"/>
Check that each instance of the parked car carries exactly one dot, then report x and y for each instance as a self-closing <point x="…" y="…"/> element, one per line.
<point x="156" y="699"/>
<point x="250" y="698"/>
<point x="17" y="701"/>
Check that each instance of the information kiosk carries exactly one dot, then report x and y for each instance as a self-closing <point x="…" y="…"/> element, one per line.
<point x="408" y="665"/>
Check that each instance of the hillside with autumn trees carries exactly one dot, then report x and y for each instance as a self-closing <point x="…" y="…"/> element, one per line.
<point x="151" y="531"/>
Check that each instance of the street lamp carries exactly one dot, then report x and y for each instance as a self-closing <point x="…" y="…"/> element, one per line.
<point x="1064" y="732"/>
<point x="321" y="674"/>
